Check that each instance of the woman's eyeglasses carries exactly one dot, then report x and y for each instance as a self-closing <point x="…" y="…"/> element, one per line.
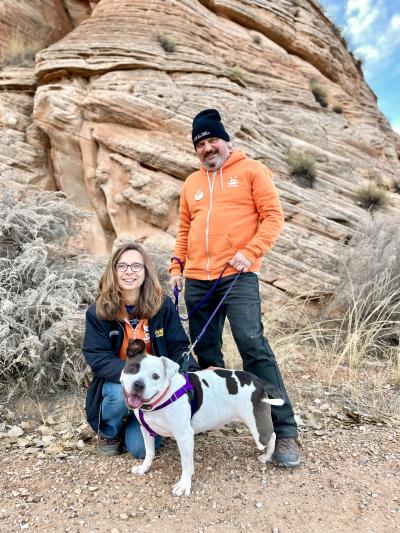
<point x="123" y="267"/>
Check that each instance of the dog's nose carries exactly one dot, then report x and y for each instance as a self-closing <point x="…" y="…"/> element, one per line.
<point x="138" y="386"/>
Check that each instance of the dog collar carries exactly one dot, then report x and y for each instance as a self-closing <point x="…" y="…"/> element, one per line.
<point x="178" y="394"/>
<point x="149" y="406"/>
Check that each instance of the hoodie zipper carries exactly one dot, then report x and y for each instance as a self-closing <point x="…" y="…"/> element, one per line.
<point x="211" y="188"/>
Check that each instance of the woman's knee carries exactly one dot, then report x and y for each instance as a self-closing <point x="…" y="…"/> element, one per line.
<point x="113" y="400"/>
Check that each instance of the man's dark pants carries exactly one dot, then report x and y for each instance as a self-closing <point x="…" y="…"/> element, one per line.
<point x="243" y="309"/>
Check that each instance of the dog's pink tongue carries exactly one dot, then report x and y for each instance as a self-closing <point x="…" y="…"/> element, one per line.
<point x="134" y="400"/>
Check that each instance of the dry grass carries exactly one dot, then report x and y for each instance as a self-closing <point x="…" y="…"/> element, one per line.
<point x="236" y="73"/>
<point x="302" y="166"/>
<point x="20" y="50"/>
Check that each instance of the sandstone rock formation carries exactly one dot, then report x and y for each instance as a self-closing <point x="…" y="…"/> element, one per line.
<point x="117" y="94"/>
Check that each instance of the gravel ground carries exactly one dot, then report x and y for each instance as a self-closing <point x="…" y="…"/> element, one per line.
<point x="54" y="480"/>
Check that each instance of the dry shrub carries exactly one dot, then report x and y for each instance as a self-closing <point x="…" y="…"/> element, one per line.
<point x="371" y="196"/>
<point x="236" y="73"/>
<point x="358" y="351"/>
<point x="370" y="283"/>
<point x="167" y="43"/>
<point x="21" y="50"/>
<point x="302" y="166"/>
<point x="43" y="294"/>
<point x="337" y="108"/>
<point x="320" y="93"/>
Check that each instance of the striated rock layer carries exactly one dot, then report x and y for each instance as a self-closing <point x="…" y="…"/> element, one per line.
<point x="116" y="97"/>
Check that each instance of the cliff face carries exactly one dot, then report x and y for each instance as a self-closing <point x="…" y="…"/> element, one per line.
<point x="117" y="94"/>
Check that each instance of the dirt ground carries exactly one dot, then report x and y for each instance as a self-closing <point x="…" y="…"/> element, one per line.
<point x="53" y="480"/>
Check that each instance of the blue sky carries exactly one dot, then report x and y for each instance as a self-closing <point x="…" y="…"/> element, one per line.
<point x="372" y="29"/>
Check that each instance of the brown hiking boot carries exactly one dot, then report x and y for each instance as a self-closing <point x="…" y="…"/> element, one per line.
<point x="109" y="446"/>
<point x="287" y="452"/>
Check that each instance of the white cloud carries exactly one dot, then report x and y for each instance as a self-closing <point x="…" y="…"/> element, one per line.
<point x="396" y="126"/>
<point x="374" y="33"/>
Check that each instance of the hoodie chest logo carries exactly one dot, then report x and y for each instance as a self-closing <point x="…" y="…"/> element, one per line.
<point x="199" y="195"/>
<point x="233" y="182"/>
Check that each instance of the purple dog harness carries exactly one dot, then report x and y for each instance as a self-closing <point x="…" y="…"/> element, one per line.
<point x="185" y="389"/>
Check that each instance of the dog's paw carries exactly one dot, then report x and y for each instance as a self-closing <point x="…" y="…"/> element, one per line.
<point x="265" y="458"/>
<point x="140" y="470"/>
<point x="182" y="488"/>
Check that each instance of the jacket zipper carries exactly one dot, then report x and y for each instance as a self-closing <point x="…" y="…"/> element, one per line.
<point x="211" y="188"/>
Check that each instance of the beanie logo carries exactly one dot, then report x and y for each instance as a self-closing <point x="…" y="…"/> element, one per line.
<point x="199" y="195"/>
<point x="233" y="182"/>
<point x="200" y="135"/>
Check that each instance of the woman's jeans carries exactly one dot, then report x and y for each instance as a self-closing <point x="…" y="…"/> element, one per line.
<point x="116" y="420"/>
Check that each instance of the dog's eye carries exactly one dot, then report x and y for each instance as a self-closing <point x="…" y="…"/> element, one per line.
<point x="155" y="376"/>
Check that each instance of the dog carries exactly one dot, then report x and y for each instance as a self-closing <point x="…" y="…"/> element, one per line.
<point x="157" y="393"/>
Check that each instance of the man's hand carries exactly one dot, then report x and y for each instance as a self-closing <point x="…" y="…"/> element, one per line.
<point x="240" y="262"/>
<point x="176" y="281"/>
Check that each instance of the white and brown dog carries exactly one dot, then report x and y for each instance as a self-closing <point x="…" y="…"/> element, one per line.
<point x="158" y="395"/>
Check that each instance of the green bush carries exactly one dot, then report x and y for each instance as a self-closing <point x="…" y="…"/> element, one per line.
<point x="302" y="166"/>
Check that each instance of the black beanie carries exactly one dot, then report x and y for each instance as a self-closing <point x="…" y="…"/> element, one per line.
<point x="208" y="124"/>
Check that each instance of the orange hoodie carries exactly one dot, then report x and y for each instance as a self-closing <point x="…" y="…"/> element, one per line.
<point x="237" y="208"/>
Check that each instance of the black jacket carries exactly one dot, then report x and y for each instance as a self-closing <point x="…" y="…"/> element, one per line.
<point x="103" y="339"/>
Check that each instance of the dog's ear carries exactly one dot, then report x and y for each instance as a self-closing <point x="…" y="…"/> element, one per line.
<point x="171" y="368"/>
<point x="135" y="346"/>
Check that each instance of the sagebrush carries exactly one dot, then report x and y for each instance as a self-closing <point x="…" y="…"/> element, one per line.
<point x="43" y="294"/>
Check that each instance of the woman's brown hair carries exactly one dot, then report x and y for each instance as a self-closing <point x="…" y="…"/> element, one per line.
<point x="110" y="303"/>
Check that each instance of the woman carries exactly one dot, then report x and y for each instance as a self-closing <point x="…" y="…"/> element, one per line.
<point x="129" y="305"/>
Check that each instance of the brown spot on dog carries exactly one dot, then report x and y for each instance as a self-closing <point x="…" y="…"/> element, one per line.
<point x="135" y="347"/>
<point x="231" y="383"/>
<point x="135" y="353"/>
<point x="195" y="381"/>
<point x="132" y="364"/>
<point x="205" y="383"/>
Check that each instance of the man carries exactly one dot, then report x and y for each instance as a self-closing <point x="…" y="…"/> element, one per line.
<point x="229" y="216"/>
